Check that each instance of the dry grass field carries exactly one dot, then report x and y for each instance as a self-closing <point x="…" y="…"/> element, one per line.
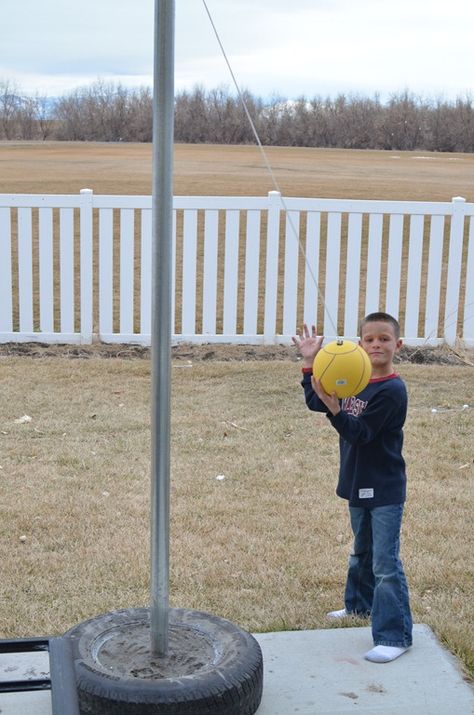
<point x="266" y="543"/>
<point x="62" y="167"/>
<point x="258" y="534"/>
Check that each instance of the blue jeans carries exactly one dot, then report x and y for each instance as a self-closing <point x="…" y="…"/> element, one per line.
<point x="376" y="584"/>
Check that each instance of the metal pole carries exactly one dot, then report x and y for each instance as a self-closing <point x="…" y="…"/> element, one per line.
<point x="162" y="226"/>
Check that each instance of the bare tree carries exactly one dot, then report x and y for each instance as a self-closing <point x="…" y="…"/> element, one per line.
<point x="9" y="101"/>
<point x="26" y="118"/>
<point x="402" y="123"/>
<point x="140" y="116"/>
<point x="44" y="111"/>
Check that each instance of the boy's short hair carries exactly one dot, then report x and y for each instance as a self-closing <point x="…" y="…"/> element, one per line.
<point x="383" y="318"/>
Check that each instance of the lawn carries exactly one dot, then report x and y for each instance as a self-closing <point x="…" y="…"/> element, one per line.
<point x="258" y="534"/>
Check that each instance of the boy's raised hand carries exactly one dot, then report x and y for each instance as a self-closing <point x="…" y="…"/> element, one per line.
<point x="308" y="344"/>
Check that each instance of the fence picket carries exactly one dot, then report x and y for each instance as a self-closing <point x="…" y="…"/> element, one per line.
<point x="6" y="294"/>
<point x="25" y="269"/>
<point x="46" y="286"/>
<point x="290" y="279"/>
<point x="354" y="246"/>
<point x="231" y="272"/>
<point x="127" y="255"/>
<point x="415" y="254"/>
<point x="209" y="307"/>
<point x="252" y="264"/>
<point x="66" y="270"/>
<point x="454" y="270"/>
<point x="86" y="264"/>
<point x="468" y="322"/>
<point x="311" y="275"/>
<point x="394" y="269"/>
<point x="106" y="273"/>
<point x="145" y="273"/>
<point x="271" y="267"/>
<point x="333" y="257"/>
<point x="374" y="259"/>
<point x="188" y="311"/>
<point x="173" y="271"/>
<point x="435" y="259"/>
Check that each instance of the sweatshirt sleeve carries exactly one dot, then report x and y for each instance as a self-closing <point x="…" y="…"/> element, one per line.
<point x="312" y="400"/>
<point x="365" y="428"/>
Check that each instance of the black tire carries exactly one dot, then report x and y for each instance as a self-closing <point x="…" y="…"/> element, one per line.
<point x="228" y="682"/>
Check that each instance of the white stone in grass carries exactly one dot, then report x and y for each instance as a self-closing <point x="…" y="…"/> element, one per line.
<point x="220" y="477"/>
<point x="23" y="538"/>
<point x="23" y="420"/>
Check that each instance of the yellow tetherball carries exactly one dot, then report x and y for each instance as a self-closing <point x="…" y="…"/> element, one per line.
<point x="342" y="367"/>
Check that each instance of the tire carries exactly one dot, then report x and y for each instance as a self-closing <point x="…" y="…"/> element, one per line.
<point x="226" y="676"/>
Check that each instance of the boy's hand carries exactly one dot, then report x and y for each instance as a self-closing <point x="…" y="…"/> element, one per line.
<point x="331" y="401"/>
<point x="308" y="345"/>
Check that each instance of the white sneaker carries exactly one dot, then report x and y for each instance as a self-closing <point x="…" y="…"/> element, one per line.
<point x="337" y="615"/>
<point x="384" y="654"/>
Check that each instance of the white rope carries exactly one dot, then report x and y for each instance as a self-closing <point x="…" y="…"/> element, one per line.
<point x="270" y="170"/>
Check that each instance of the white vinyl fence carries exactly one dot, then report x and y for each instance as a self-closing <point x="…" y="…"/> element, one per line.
<point x="77" y="268"/>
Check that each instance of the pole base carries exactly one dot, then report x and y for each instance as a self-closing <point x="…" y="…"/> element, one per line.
<point x="212" y="666"/>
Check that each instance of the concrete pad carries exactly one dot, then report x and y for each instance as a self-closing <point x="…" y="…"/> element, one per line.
<point x="31" y="703"/>
<point x="33" y="665"/>
<point x="29" y="666"/>
<point x="324" y="672"/>
<point x="319" y="672"/>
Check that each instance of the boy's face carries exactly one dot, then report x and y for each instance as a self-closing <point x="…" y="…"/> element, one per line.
<point x="380" y="343"/>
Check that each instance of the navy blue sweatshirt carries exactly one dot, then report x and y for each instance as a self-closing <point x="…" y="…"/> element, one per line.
<point x="370" y="427"/>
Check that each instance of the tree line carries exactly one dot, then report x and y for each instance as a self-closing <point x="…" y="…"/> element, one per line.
<point x="110" y="112"/>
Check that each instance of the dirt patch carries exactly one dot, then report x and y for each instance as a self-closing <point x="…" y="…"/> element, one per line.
<point x="425" y="355"/>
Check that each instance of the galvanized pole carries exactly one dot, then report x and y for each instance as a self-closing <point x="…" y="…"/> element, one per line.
<point x="162" y="226"/>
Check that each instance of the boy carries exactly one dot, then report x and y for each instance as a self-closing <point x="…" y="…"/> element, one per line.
<point x="372" y="478"/>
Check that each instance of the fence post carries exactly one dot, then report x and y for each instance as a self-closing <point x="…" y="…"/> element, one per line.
<point x="271" y="267"/>
<point x="86" y="235"/>
<point x="453" y="281"/>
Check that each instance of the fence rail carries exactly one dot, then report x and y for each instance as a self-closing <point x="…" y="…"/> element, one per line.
<point x="74" y="268"/>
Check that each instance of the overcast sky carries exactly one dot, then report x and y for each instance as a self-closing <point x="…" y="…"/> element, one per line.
<point x="276" y="47"/>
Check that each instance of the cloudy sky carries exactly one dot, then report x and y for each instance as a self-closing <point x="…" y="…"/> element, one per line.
<point x="276" y="47"/>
